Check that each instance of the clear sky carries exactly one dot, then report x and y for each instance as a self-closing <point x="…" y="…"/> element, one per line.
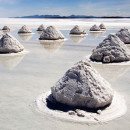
<point x="12" y="8"/>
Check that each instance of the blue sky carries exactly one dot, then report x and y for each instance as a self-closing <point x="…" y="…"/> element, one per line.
<point x="11" y="8"/>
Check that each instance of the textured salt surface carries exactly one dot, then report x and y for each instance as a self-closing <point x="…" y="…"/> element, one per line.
<point x="82" y="86"/>
<point x="115" y="110"/>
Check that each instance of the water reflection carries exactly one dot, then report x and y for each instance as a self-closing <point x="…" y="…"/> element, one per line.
<point x="77" y="39"/>
<point x="51" y="47"/>
<point x="111" y="72"/>
<point x="97" y="34"/>
<point x="25" y="37"/>
<point x="10" y="62"/>
<point x="39" y="32"/>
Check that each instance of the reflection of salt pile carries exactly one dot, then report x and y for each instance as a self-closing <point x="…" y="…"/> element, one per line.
<point x="124" y="35"/>
<point x="41" y="28"/>
<point x="12" y="61"/>
<point x="6" y="28"/>
<point x="51" y="46"/>
<point x="77" y="39"/>
<point x="82" y="86"/>
<point x="111" y="72"/>
<point x="8" y="44"/>
<point x="112" y="49"/>
<point x="95" y="28"/>
<point x="51" y="33"/>
<point x="102" y="26"/>
<point x="80" y="95"/>
<point x="96" y="34"/>
<point x="24" y="29"/>
<point x="77" y="30"/>
<point x="25" y="37"/>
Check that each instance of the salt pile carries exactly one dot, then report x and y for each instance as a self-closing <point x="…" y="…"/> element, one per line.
<point x="8" y="44"/>
<point x="51" y="33"/>
<point x="112" y="49"/>
<point x="24" y="29"/>
<point x="77" y="30"/>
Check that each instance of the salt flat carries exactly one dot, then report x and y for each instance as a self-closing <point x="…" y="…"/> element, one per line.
<point x="37" y="71"/>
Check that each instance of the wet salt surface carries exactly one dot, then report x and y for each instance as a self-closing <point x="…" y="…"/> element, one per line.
<point x="39" y="70"/>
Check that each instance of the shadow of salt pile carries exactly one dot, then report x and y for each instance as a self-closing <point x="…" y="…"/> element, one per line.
<point x="51" y="47"/>
<point x="25" y="37"/>
<point x="97" y="34"/>
<point x="111" y="72"/>
<point x="77" y="39"/>
<point x="10" y="62"/>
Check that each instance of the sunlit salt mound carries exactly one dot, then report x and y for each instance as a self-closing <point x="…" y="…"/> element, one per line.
<point x="24" y="29"/>
<point x="82" y="86"/>
<point x="77" y="30"/>
<point x="112" y="49"/>
<point x="124" y="35"/>
<point x="51" y="33"/>
<point x="8" y="44"/>
<point x="6" y="28"/>
<point x="41" y="28"/>
<point x="102" y="27"/>
<point x="94" y="28"/>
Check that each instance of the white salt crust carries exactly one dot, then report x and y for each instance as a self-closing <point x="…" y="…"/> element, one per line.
<point x="115" y="110"/>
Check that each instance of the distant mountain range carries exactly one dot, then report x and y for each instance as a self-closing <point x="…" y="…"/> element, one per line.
<point x="71" y="16"/>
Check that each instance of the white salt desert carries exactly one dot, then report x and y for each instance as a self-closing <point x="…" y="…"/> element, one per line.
<point x="38" y="72"/>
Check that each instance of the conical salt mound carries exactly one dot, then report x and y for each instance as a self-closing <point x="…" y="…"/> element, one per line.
<point x="8" y="44"/>
<point x="24" y="29"/>
<point x="112" y="49"/>
<point x="102" y="26"/>
<point x="82" y="86"/>
<point x="6" y="28"/>
<point x="77" y="30"/>
<point x="41" y="28"/>
<point x="51" y="33"/>
<point x="124" y="35"/>
<point x="94" y="28"/>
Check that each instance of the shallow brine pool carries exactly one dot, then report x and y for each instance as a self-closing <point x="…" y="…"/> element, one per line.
<point x="23" y="78"/>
